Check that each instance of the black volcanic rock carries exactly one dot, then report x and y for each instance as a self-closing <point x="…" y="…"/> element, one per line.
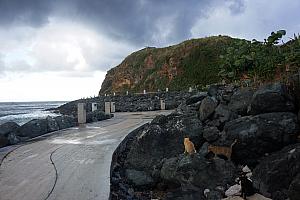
<point x="13" y="139"/>
<point x="294" y="189"/>
<point x="3" y="141"/>
<point x="211" y="134"/>
<point x="213" y="90"/>
<point x="198" y="171"/>
<point x="52" y="124"/>
<point x="7" y="128"/>
<point x="207" y="108"/>
<point x="65" y="121"/>
<point x="240" y="101"/>
<point x="260" y="134"/>
<point x="150" y="161"/>
<point x="158" y="141"/>
<point x="6" y="133"/>
<point x="33" y="128"/>
<point x="95" y="116"/>
<point x="196" y="98"/>
<point x="279" y="174"/>
<point x="272" y="97"/>
<point x="129" y="103"/>
<point x="224" y="114"/>
<point x="138" y="159"/>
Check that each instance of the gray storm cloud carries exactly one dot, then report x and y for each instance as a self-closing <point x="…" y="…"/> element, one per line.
<point x="140" y="22"/>
<point x="17" y="12"/>
<point x="88" y="35"/>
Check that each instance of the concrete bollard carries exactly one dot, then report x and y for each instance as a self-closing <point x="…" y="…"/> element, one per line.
<point x="167" y="89"/>
<point x="81" y="112"/>
<point x="190" y="89"/>
<point x="145" y="92"/>
<point x="127" y="92"/>
<point x="107" y="107"/>
<point x="112" y="107"/>
<point x="162" y="104"/>
<point x="94" y="107"/>
<point x="114" y="94"/>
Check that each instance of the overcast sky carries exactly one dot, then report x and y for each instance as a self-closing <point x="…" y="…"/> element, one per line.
<point x="61" y="49"/>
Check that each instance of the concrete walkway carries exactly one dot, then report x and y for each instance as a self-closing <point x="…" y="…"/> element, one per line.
<point x="70" y="164"/>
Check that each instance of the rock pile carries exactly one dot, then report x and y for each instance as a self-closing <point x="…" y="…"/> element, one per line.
<point x="12" y="133"/>
<point x="129" y="103"/>
<point x="149" y="163"/>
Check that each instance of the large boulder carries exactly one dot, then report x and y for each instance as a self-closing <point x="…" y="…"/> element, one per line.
<point x="279" y="174"/>
<point x="65" y="121"/>
<point x="196" y="98"/>
<point x="294" y="189"/>
<point x="272" y="97"/>
<point x="198" y="171"/>
<point x="137" y="160"/>
<point x="120" y="187"/>
<point x="13" y="139"/>
<point x="95" y="116"/>
<point x="52" y="124"/>
<point x="182" y="193"/>
<point x="3" y="141"/>
<point x="163" y="140"/>
<point x="260" y="134"/>
<point x="207" y="108"/>
<point x="224" y="114"/>
<point x="213" y="90"/>
<point x="7" y="128"/>
<point x="139" y="178"/>
<point x="240" y="100"/>
<point x="33" y="128"/>
<point x="211" y="133"/>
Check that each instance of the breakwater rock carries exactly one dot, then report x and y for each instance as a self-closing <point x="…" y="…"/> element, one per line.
<point x="129" y="103"/>
<point x="11" y="133"/>
<point x="150" y="163"/>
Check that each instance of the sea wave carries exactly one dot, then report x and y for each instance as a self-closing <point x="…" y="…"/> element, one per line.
<point x="25" y="111"/>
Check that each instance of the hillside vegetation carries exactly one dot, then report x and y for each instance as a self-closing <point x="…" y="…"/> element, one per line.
<point x="198" y="62"/>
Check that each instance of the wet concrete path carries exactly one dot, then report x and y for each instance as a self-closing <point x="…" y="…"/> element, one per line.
<point x="71" y="164"/>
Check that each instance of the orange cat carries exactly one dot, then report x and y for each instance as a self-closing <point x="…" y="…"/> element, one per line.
<point x="189" y="146"/>
<point x="225" y="151"/>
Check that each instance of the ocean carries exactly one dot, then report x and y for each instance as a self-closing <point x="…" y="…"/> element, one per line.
<point x="22" y="112"/>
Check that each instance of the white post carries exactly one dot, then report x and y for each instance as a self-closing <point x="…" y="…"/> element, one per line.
<point x="114" y="94"/>
<point x="162" y="105"/>
<point x="127" y="92"/>
<point x="190" y="89"/>
<point x="144" y="91"/>
<point x="107" y="107"/>
<point x="94" y="107"/>
<point x="167" y="89"/>
<point x="81" y="113"/>
<point x="112" y="107"/>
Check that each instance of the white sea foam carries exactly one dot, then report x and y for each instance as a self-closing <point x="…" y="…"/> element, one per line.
<point x="22" y="112"/>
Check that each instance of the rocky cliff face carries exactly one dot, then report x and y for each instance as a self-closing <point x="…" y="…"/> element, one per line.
<point x="190" y="63"/>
